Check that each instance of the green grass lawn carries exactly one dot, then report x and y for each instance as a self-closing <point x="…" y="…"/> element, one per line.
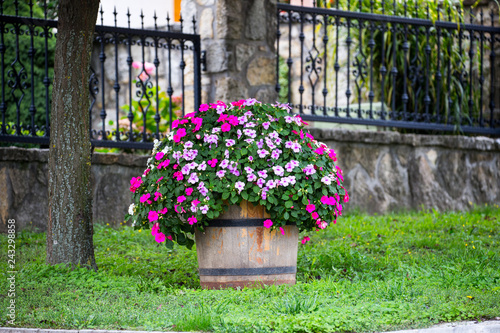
<point x="367" y="273"/>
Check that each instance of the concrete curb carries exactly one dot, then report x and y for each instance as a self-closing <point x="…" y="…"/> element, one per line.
<point x="461" y="327"/>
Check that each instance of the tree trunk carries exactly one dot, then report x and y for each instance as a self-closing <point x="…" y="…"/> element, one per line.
<point x="70" y="230"/>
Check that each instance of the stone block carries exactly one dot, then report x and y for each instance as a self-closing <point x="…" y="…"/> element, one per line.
<point x="453" y="171"/>
<point x="244" y="52"/>
<point x="217" y="59"/>
<point x="230" y="89"/>
<point x="394" y="180"/>
<point x="261" y="71"/>
<point x="267" y="95"/>
<point x="205" y="2"/>
<point x="206" y="23"/>
<point x="229" y="22"/>
<point x="255" y="21"/>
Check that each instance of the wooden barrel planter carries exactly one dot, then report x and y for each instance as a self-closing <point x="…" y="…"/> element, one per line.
<point x="236" y="250"/>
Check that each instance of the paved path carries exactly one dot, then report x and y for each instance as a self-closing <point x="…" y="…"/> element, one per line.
<point x="461" y="327"/>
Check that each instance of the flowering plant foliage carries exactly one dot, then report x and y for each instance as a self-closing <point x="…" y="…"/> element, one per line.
<point x="228" y="153"/>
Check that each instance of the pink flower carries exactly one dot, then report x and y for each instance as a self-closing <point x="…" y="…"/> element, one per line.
<point x="154" y="229"/>
<point x="179" y="210"/>
<point x="321" y="224"/>
<point x="226" y="127"/>
<point x="146" y="172"/>
<point x="314" y="215"/>
<point x="305" y="239"/>
<point x="159" y="179"/>
<point x="135" y="183"/>
<point x="189" y="115"/>
<point x="319" y="150"/>
<point x="163" y="210"/>
<point x="282" y="231"/>
<point x="198" y="122"/>
<point x="160" y="237"/>
<point x="332" y="155"/>
<point x="233" y="120"/>
<point x="203" y="107"/>
<point x="310" y="136"/>
<point x="157" y="195"/>
<point x="189" y="190"/>
<point x="145" y="197"/>
<point x="159" y="155"/>
<point x="268" y="223"/>
<point x="181" y="198"/>
<point x="195" y="202"/>
<point x="163" y="164"/>
<point x="192" y="220"/>
<point x="147" y="66"/>
<point x="346" y="197"/>
<point x="169" y="237"/>
<point x="310" y="208"/>
<point x="213" y="162"/>
<point x="175" y="123"/>
<point x="152" y="215"/>
<point x="178" y="175"/>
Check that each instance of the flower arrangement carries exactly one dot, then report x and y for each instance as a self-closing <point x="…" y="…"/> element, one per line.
<point x="228" y="153"/>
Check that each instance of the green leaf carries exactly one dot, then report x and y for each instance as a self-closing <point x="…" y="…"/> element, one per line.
<point x="286" y="216"/>
<point x="244" y="195"/>
<point x="289" y="204"/>
<point x="234" y="199"/>
<point x="225" y="195"/>
<point x="210" y="214"/>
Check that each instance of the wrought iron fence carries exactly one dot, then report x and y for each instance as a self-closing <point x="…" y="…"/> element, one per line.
<point x="141" y="79"/>
<point x="408" y="64"/>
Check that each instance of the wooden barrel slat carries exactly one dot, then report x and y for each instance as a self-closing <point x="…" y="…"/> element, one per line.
<point x="250" y="249"/>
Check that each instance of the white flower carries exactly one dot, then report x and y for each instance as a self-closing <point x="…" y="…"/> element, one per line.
<point x="131" y="209"/>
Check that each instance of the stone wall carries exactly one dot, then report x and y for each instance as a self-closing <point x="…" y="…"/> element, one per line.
<point x="24" y="183"/>
<point x="383" y="172"/>
<point x="388" y="171"/>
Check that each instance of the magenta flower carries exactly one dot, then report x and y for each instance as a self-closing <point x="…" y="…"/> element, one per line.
<point x="314" y="215"/>
<point x="282" y="231"/>
<point x="250" y="158"/>
<point x="203" y="107"/>
<point x="189" y="190"/>
<point x="212" y="163"/>
<point x="225" y="127"/>
<point x="310" y="208"/>
<point x="135" y="183"/>
<point x="305" y="239"/>
<point x="181" y="198"/>
<point x="192" y="220"/>
<point x="195" y="202"/>
<point x="332" y="155"/>
<point x="159" y="179"/>
<point x="160" y="237"/>
<point x="145" y="197"/>
<point x="155" y="228"/>
<point x="268" y="223"/>
<point x="175" y="124"/>
<point x="152" y="215"/>
<point x="178" y="175"/>
<point x="163" y="164"/>
<point x="163" y="210"/>
<point x="159" y="155"/>
<point x="233" y="120"/>
<point x="157" y="195"/>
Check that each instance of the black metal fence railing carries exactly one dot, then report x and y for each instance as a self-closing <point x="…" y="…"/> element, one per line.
<point x="407" y="64"/>
<point x="141" y="79"/>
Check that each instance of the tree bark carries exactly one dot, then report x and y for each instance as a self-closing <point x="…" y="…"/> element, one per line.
<point x="70" y="229"/>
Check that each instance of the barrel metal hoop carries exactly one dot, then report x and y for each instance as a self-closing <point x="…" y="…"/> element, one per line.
<point x="239" y="223"/>
<point x="248" y="271"/>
